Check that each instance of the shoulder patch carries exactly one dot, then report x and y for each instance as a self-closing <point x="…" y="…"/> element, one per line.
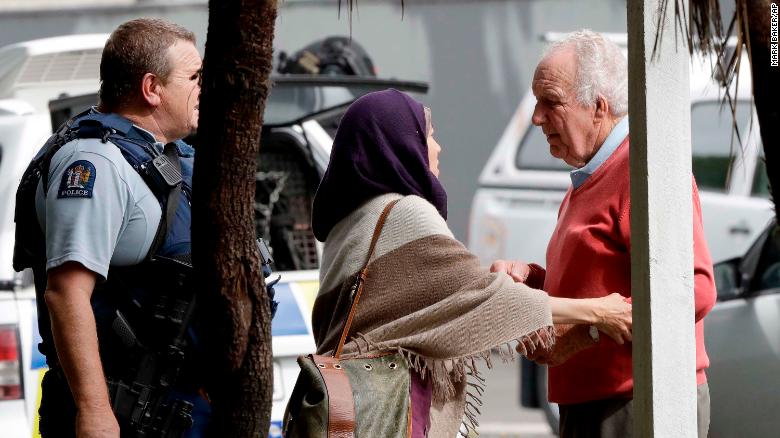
<point x="78" y="180"/>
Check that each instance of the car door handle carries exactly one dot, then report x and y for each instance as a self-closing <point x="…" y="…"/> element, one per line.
<point x="740" y="229"/>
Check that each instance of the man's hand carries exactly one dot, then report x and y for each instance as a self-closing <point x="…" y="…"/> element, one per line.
<point x="527" y="348"/>
<point x="96" y="423"/>
<point x="535" y="353"/>
<point x="517" y="269"/>
<point x="615" y="317"/>
<point x="569" y="340"/>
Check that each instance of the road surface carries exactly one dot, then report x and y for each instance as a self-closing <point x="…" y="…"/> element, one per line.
<point x="502" y="416"/>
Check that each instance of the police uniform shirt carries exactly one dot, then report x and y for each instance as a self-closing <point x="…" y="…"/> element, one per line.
<point x="97" y="211"/>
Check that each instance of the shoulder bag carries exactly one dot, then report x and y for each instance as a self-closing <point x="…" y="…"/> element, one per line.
<point x="358" y="397"/>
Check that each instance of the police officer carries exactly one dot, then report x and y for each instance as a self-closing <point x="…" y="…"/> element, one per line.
<point x="106" y="205"/>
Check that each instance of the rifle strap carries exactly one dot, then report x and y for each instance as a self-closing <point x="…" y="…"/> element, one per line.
<point x="170" y="151"/>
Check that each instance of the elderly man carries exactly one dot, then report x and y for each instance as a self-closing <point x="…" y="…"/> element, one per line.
<point x="582" y="101"/>
<point x="103" y="218"/>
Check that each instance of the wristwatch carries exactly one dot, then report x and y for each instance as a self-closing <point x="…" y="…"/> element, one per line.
<point x="593" y="331"/>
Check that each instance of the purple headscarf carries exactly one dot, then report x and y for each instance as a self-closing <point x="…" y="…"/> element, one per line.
<point x="380" y="147"/>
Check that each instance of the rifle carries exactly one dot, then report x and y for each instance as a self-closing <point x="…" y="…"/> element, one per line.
<point x="142" y="404"/>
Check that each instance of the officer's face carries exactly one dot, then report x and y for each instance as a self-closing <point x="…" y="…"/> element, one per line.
<point x="181" y="91"/>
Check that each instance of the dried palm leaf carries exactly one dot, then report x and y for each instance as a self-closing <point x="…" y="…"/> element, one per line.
<point x="705" y="33"/>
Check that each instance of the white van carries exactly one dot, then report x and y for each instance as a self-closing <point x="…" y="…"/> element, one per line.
<point x="45" y="82"/>
<point x="521" y="187"/>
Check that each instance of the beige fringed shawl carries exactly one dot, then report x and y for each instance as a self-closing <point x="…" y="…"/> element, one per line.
<point x="426" y="296"/>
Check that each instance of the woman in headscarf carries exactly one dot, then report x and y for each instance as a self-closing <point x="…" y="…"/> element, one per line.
<point x="425" y="295"/>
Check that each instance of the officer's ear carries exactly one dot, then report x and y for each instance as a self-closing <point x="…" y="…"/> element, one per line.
<point x="151" y="85"/>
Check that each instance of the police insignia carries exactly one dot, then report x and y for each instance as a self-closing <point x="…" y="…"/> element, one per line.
<point x="78" y="180"/>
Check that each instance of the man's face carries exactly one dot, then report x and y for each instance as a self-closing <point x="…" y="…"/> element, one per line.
<point x="181" y="91"/>
<point x="571" y="128"/>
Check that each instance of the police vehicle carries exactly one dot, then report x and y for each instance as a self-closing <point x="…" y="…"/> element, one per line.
<point x="45" y="82"/>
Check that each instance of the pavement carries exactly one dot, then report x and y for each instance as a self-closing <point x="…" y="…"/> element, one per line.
<point x="502" y="416"/>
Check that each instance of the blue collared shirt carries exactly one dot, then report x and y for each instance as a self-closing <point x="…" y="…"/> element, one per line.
<point x="185" y="150"/>
<point x="157" y="145"/>
<point x="144" y="132"/>
<point x="614" y="139"/>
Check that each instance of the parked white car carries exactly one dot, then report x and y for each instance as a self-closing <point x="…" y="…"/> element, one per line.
<point x="521" y="187"/>
<point x="45" y="82"/>
<point x="742" y="334"/>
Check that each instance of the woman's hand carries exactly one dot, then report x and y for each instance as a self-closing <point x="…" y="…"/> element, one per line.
<point x="517" y="269"/>
<point x="614" y="317"/>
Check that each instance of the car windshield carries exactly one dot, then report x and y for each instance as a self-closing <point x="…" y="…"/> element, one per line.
<point x="534" y="152"/>
<point x="761" y="178"/>
<point x="712" y="143"/>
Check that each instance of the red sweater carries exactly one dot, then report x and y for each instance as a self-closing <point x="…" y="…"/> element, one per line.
<point x="588" y="257"/>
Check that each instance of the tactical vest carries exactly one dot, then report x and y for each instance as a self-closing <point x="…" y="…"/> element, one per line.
<point x="134" y="291"/>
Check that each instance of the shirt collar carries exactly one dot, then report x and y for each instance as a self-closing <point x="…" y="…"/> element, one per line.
<point x="142" y="132"/>
<point x="183" y="148"/>
<point x="157" y="145"/>
<point x="614" y="139"/>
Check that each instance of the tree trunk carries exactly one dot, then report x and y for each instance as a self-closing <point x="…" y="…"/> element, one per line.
<point x="232" y="299"/>
<point x="766" y="89"/>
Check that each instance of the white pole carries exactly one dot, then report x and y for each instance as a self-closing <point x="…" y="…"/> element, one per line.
<point x="664" y="348"/>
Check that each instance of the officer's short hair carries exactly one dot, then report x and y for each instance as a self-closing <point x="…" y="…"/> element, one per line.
<point x="135" y="48"/>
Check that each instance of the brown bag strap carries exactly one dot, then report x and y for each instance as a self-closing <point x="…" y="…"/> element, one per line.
<point x="357" y="289"/>
<point x="341" y="404"/>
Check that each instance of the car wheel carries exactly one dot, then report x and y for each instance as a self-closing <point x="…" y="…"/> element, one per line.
<point x="550" y="409"/>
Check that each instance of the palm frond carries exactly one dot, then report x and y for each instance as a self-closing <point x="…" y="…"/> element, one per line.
<point x="705" y="33"/>
<point x="352" y="6"/>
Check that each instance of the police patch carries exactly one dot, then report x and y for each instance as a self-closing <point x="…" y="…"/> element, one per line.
<point x="78" y="180"/>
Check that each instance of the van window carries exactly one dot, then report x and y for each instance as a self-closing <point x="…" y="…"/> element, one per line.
<point x="711" y="126"/>
<point x="761" y="179"/>
<point x="285" y="183"/>
<point x="534" y="152"/>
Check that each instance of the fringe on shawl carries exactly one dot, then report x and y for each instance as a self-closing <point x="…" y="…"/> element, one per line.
<point x="444" y="373"/>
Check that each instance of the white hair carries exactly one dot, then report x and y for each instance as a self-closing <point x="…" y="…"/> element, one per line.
<point x="601" y="69"/>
